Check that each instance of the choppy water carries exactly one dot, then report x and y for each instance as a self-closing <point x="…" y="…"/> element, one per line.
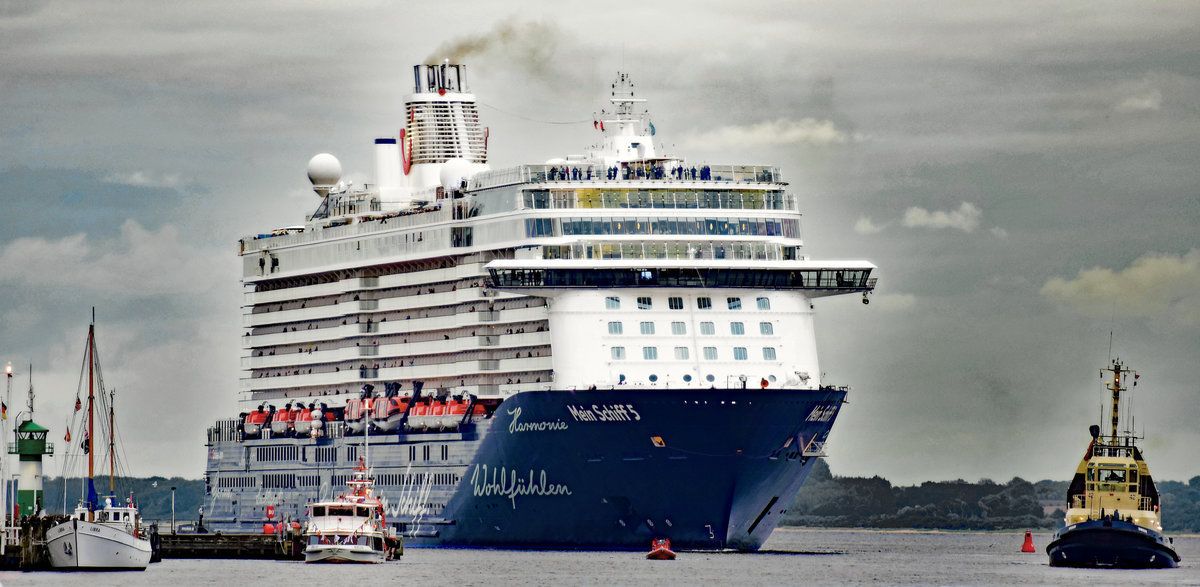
<point x="790" y="557"/>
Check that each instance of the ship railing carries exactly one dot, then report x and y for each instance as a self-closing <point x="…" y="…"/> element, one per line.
<point x="1107" y="450"/>
<point x="627" y="171"/>
<point x="362" y="226"/>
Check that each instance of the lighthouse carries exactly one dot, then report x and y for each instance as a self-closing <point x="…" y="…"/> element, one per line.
<point x="30" y="444"/>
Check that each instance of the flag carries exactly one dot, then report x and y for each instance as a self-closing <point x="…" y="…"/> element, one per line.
<point x="651" y="129"/>
<point x="3" y="411"/>
<point x="67" y="439"/>
<point x="85" y="442"/>
<point x="77" y="404"/>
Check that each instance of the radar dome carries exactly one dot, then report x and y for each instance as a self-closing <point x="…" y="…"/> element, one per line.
<point x="324" y="170"/>
<point x="454" y="171"/>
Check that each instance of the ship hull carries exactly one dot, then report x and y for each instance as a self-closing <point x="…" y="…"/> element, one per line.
<point x="617" y="468"/>
<point x="1109" y="543"/>
<point x="78" y="545"/>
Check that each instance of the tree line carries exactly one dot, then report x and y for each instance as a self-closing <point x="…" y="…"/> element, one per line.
<point x="861" y="502"/>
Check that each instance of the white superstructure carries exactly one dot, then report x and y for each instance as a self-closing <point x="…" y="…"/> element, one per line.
<point x="621" y="268"/>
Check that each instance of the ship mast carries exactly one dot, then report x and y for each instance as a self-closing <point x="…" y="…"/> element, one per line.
<point x="1117" y="369"/>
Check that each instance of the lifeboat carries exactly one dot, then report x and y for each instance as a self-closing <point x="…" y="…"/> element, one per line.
<point x="437" y="414"/>
<point x="302" y="419"/>
<point x="357" y="411"/>
<point x="418" y="418"/>
<point x="281" y="424"/>
<point x="254" y="422"/>
<point x="660" y="550"/>
<point x="388" y="412"/>
<point x="455" y="410"/>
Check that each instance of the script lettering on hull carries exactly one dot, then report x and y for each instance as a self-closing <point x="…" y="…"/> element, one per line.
<point x="502" y="482"/>
<point x="540" y="426"/>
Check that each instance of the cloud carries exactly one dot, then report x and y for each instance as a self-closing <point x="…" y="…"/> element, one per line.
<point x="998" y="232"/>
<point x="144" y="179"/>
<point x="1146" y="101"/>
<point x="865" y="225"/>
<point x="893" y="302"/>
<point x="966" y="218"/>
<point x="136" y="262"/>
<point x="1153" y="285"/>
<point x="779" y="132"/>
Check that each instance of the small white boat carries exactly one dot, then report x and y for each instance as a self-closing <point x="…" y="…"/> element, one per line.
<point x="113" y="541"/>
<point x="107" y="538"/>
<point x="350" y="528"/>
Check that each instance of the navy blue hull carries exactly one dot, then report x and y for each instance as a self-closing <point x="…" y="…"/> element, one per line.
<point x="592" y="469"/>
<point x="1108" y="543"/>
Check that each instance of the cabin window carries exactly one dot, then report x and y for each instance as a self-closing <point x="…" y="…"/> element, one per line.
<point x="647" y="327"/>
<point x="768" y="353"/>
<point x="737" y="328"/>
<point x="704" y="303"/>
<point x="740" y="354"/>
<point x="734" y="303"/>
<point x="764" y="304"/>
<point x="644" y="303"/>
<point x="675" y="303"/>
<point x="1133" y="476"/>
<point x="1112" y="475"/>
<point x="681" y="353"/>
<point x="710" y="354"/>
<point x="650" y="353"/>
<point x="615" y="328"/>
<point x="318" y="511"/>
<point x="678" y="328"/>
<point x="707" y="328"/>
<point x="766" y="328"/>
<point x="612" y="303"/>
<point x="618" y="353"/>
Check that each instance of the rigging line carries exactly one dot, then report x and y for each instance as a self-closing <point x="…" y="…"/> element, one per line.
<point x="523" y="117"/>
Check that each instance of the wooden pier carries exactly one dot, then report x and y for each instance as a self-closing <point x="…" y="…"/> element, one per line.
<point x="287" y="546"/>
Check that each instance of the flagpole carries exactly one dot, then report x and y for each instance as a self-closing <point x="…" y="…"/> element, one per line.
<point x="4" y="461"/>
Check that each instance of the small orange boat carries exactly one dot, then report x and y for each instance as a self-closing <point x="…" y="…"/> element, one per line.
<point x="660" y="550"/>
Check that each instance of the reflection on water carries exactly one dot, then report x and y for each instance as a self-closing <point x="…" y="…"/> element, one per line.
<point x="790" y="557"/>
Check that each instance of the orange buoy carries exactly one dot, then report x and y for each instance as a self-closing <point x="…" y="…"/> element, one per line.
<point x="1028" y="546"/>
<point x="268" y="529"/>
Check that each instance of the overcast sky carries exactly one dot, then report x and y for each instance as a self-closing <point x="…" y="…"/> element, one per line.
<point x="1023" y="173"/>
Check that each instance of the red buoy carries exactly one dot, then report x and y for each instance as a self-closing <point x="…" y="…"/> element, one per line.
<point x="1028" y="546"/>
<point x="268" y="529"/>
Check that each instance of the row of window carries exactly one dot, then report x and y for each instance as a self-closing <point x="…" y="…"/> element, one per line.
<point x="535" y="227"/>
<point x="736" y="328"/>
<point x="672" y="198"/>
<point x="682" y="353"/>
<point x="676" y="303"/>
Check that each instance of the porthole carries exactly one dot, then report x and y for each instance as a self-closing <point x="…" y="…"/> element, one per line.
<point x="687" y="378"/>
<point x="710" y="378"/>
<point x="653" y="378"/>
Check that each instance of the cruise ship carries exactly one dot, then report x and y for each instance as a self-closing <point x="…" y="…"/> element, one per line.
<point x="591" y="352"/>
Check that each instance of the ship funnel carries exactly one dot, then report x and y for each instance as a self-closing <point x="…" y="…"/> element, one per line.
<point x="1095" y="430"/>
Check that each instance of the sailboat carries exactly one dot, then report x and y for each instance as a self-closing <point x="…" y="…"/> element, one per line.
<point x="99" y="536"/>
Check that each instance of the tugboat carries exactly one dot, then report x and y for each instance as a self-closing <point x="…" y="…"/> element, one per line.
<point x="1113" y="515"/>
<point x="660" y="550"/>
<point x="351" y="528"/>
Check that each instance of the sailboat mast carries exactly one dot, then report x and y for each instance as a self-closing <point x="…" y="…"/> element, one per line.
<point x="91" y="396"/>
<point x="112" y="453"/>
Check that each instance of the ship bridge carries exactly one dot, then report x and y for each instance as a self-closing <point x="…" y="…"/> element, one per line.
<point x="814" y="278"/>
